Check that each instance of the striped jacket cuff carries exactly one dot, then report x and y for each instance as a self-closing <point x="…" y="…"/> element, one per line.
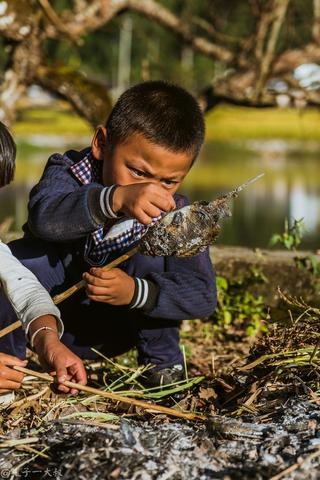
<point x="145" y="294"/>
<point x="106" y="196"/>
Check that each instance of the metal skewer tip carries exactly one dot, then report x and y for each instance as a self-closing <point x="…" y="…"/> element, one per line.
<point x="244" y="185"/>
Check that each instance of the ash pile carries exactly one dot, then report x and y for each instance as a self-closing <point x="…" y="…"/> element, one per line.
<point x="223" y="448"/>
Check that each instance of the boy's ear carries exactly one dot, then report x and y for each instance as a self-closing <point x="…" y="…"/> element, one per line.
<point x="99" y="143"/>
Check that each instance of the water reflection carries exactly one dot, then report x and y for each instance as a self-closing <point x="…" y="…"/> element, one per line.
<point x="290" y="187"/>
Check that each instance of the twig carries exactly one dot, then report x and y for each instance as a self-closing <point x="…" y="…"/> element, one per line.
<point x="16" y="469"/>
<point x="185" y="362"/>
<point x="33" y="450"/>
<point x="114" y="397"/>
<point x="313" y="354"/>
<point x="297" y="465"/>
<point x="26" y="400"/>
<point x="18" y="442"/>
<point x="213" y="364"/>
<point x="298" y="303"/>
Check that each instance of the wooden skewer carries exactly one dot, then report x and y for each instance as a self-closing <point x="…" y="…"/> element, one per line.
<point x="113" y="396"/>
<point x="67" y="293"/>
<point x="10" y="328"/>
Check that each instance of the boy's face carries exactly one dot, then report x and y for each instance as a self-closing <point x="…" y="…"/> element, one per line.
<point x="139" y="161"/>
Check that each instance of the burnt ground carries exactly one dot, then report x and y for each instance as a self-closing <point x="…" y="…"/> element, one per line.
<point x="260" y="398"/>
<point x="145" y="450"/>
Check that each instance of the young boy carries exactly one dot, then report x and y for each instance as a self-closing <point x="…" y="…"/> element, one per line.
<point x="31" y="303"/>
<point x="91" y="206"/>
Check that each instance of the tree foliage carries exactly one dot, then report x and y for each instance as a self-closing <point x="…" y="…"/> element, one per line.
<point x="222" y="51"/>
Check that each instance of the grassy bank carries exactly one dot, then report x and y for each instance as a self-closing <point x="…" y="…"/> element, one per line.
<point x="223" y="123"/>
<point x="59" y="119"/>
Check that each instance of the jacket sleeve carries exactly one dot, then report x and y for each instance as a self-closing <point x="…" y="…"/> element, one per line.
<point x="185" y="290"/>
<point x="27" y="296"/>
<point x="59" y="208"/>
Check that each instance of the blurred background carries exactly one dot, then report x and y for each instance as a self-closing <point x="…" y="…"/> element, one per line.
<point x="254" y="67"/>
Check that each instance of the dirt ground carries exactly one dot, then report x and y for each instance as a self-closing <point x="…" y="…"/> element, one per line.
<point x="259" y="396"/>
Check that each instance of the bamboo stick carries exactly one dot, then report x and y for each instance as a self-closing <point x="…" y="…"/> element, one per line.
<point x="67" y="293"/>
<point x="10" y="328"/>
<point x="70" y="291"/>
<point x="112" y="396"/>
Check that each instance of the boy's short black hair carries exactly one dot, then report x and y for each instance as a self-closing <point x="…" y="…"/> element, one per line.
<point x="164" y="113"/>
<point x="7" y="156"/>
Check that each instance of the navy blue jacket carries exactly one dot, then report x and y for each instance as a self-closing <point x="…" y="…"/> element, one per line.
<point x="65" y="212"/>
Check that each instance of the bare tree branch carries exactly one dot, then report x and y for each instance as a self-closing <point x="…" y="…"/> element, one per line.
<point x="55" y="19"/>
<point x="214" y="34"/>
<point x="165" y="17"/>
<point x="17" y="78"/>
<point x="279" y="11"/>
<point x="236" y="89"/>
<point x="98" y="12"/>
<point x="265" y="19"/>
<point x="16" y="23"/>
<point x="255" y="7"/>
<point x="253" y="59"/>
<point x="86" y="17"/>
<point x="23" y="28"/>
<point x="291" y="59"/>
<point x="316" y="21"/>
<point x="89" y="98"/>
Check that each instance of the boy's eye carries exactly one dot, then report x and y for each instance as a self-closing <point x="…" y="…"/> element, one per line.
<point x="169" y="183"/>
<point x="138" y="173"/>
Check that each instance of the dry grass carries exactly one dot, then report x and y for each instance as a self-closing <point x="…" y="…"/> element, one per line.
<point x="231" y="374"/>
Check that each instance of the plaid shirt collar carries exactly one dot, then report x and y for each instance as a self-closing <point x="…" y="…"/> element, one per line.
<point x="87" y="170"/>
<point x="124" y="233"/>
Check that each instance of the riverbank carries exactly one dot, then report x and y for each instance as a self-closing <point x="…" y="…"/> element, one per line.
<point x="264" y="272"/>
<point x="222" y="123"/>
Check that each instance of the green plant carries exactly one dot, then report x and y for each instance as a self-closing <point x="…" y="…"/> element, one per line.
<point x="291" y="237"/>
<point x="258" y="275"/>
<point x="310" y="263"/>
<point x="236" y="305"/>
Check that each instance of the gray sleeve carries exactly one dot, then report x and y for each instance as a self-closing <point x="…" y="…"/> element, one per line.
<point x="27" y="296"/>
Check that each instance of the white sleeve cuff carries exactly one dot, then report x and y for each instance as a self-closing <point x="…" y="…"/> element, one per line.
<point x="106" y="196"/>
<point x="141" y="293"/>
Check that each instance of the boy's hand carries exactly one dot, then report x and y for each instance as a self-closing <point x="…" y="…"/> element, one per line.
<point x="10" y="379"/>
<point x="59" y="361"/>
<point x="143" y="201"/>
<point x="113" y="286"/>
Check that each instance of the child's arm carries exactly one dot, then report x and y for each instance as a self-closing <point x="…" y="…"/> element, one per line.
<point x="185" y="290"/>
<point x="61" y="209"/>
<point x="54" y="356"/>
<point x="27" y="296"/>
<point x="34" y="307"/>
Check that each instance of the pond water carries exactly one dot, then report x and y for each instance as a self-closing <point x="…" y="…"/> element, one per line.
<point x="289" y="189"/>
